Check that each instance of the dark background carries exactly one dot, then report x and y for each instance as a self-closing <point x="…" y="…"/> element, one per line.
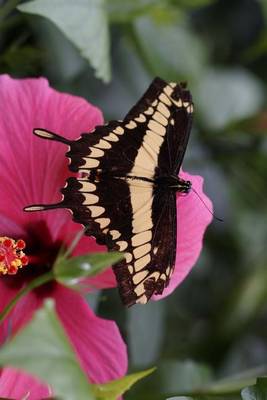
<point x="215" y="324"/>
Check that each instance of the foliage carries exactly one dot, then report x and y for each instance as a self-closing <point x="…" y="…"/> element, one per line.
<point x="84" y="23"/>
<point x="218" y="315"/>
<point x="43" y="350"/>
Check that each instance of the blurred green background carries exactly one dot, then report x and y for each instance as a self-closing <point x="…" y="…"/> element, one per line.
<point x="215" y="324"/>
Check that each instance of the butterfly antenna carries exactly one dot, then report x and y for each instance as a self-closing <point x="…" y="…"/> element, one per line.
<point x="43" y="133"/>
<point x="203" y="202"/>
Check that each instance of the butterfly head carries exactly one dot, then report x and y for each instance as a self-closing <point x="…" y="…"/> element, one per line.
<point x="183" y="186"/>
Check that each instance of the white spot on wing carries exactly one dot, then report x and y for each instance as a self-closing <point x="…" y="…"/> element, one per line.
<point x="111" y="137"/>
<point x="165" y="99"/>
<point x="103" y="144"/>
<point x="115" y="234"/>
<point x="164" y="110"/>
<point x="96" y="152"/>
<point x="122" y="245"/>
<point x="142" y="262"/>
<point x="119" y="130"/>
<point x="90" y="162"/>
<point x="157" y="116"/>
<point x="156" y="127"/>
<point x="96" y="211"/>
<point x="141" y="250"/>
<point x="139" y="277"/>
<point x="131" y="125"/>
<point x="140" y="118"/>
<point x="141" y="238"/>
<point x="142" y="299"/>
<point x="90" y="199"/>
<point x="149" y="111"/>
<point x="103" y="222"/>
<point x="87" y="186"/>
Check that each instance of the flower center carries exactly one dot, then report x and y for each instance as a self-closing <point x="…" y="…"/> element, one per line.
<point x="11" y="255"/>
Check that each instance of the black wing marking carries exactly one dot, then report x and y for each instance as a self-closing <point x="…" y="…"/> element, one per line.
<point x="153" y="134"/>
<point x="128" y="214"/>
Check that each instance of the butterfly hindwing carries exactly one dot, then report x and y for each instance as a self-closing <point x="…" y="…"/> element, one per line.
<point x="143" y="238"/>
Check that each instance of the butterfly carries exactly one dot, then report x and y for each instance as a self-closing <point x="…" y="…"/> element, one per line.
<point x="126" y="183"/>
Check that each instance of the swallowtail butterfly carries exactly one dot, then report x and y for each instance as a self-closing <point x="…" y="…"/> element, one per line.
<point x="126" y="186"/>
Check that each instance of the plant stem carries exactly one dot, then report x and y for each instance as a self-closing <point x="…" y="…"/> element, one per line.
<point x="40" y="280"/>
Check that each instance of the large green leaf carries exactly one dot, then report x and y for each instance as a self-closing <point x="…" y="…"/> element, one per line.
<point x="168" y="56"/>
<point x="127" y="10"/>
<point x="225" y="95"/>
<point x="85" y="24"/>
<point x="42" y="349"/>
<point x="169" y="50"/>
<point x="145" y="333"/>
<point x="112" y="390"/>
<point x="69" y="270"/>
<point x="185" y="376"/>
<point x="256" y="392"/>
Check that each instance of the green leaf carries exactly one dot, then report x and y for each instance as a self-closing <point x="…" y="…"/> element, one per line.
<point x="256" y="392"/>
<point x="168" y="55"/>
<point x="21" y="61"/>
<point x="69" y="270"/>
<point x="127" y="10"/>
<point x="232" y="94"/>
<point x="42" y="349"/>
<point x="184" y="377"/>
<point x="114" y="389"/>
<point x="85" y="24"/>
<point x="145" y="333"/>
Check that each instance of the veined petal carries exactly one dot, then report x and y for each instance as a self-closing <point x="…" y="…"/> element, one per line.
<point x="98" y="343"/>
<point x="193" y="220"/>
<point x="18" y="385"/>
<point x="21" y="313"/>
<point x="35" y="169"/>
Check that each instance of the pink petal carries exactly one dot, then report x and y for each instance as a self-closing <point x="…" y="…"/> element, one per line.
<point x="27" y="104"/>
<point x="7" y="294"/>
<point x="17" y="385"/>
<point x="97" y="341"/>
<point x="35" y="169"/>
<point x="193" y="219"/>
<point x="20" y="314"/>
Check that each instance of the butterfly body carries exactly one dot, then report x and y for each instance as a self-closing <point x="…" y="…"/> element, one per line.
<point x="126" y="184"/>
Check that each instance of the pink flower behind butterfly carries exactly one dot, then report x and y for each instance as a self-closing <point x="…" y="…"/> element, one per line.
<point x="192" y="220"/>
<point x="33" y="170"/>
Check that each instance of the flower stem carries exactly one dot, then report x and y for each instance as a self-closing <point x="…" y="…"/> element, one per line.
<point x="40" y="280"/>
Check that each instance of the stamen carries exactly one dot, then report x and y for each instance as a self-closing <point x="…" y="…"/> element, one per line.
<point x="11" y="255"/>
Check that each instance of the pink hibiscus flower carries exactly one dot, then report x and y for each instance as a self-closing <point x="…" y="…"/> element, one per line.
<point x="34" y="170"/>
<point x="193" y="218"/>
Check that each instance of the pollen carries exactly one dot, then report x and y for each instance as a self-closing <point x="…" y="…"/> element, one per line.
<point x="12" y="256"/>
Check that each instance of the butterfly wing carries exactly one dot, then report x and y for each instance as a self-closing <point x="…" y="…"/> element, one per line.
<point x="130" y="216"/>
<point x="125" y="213"/>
